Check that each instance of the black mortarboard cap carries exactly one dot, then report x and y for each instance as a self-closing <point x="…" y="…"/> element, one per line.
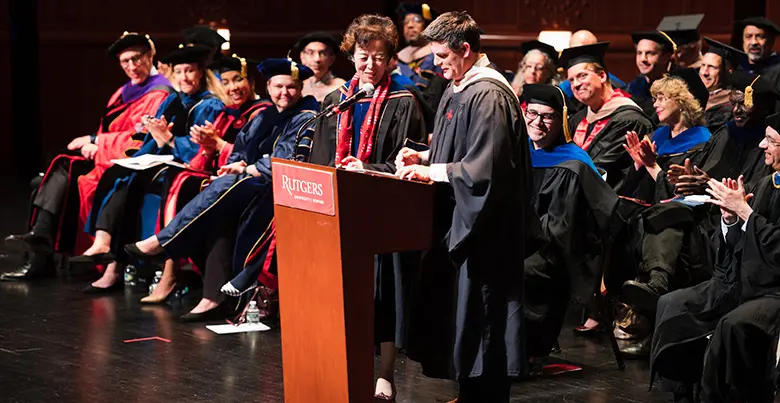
<point x="187" y="54"/>
<point x="655" y="36"/>
<point x="233" y="63"/>
<point x="583" y="54"/>
<point x="695" y="86"/>
<point x="773" y="121"/>
<point x="550" y="51"/>
<point x="130" y="39"/>
<point x="752" y="85"/>
<point x="203" y="35"/>
<point x="551" y="96"/>
<point x="421" y="9"/>
<point x="760" y="22"/>
<point x="727" y="52"/>
<point x="683" y="29"/>
<point x="275" y="67"/>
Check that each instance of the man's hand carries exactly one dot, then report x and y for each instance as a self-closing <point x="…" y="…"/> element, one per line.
<point x="88" y="151"/>
<point x="234" y="168"/>
<point x="79" y="142"/>
<point x="415" y="172"/>
<point x="407" y="157"/>
<point x="730" y="196"/>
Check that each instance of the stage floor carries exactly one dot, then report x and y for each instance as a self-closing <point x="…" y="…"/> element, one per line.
<point x="59" y="345"/>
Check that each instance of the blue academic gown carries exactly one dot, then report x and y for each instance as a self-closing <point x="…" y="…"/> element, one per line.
<point x="271" y="134"/>
<point x="198" y="108"/>
<point x="420" y="71"/>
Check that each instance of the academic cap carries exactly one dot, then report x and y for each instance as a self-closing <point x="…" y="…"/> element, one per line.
<point x="751" y="85"/>
<point x="203" y="35"/>
<point x="695" y="86"/>
<point x="275" y="67"/>
<point x="658" y="37"/>
<point x="773" y="121"/>
<point x="234" y="63"/>
<point x="759" y="22"/>
<point x="187" y="54"/>
<point x="683" y="29"/>
<point x="549" y="95"/>
<point x="583" y="54"/>
<point x="319" y="36"/>
<point x="128" y="40"/>
<point x="724" y="51"/>
<point x="550" y="51"/>
<point x="421" y="9"/>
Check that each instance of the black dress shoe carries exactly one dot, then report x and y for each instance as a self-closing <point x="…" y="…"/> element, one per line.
<point x="96" y="259"/>
<point x="133" y="251"/>
<point x="636" y="349"/>
<point x="39" y="266"/>
<point x="642" y="296"/>
<point x="92" y="290"/>
<point x="28" y="241"/>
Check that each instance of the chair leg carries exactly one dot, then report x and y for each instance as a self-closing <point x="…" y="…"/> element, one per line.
<point x="609" y="318"/>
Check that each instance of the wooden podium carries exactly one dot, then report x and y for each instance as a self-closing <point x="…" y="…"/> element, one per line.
<point x="329" y="225"/>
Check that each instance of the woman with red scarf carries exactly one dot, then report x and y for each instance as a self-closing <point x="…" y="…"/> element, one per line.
<point x="368" y="135"/>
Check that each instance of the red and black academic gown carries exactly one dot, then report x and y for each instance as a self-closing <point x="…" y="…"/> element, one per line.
<point x="242" y="199"/>
<point x="466" y="320"/>
<point x="115" y="139"/>
<point x="183" y="186"/>
<point x="738" y="306"/>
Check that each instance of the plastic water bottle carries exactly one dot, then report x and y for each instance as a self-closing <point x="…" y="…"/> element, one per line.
<point x="130" y="276"/>
<point x="253" y="313"/>
<point x="157" y="278"/>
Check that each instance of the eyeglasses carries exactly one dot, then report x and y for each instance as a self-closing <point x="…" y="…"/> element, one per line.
<point x="135" y="60"/>
<point x="321" y="53"/>
<point x="536" y="68"/>
<point x="546" y="117"/>
<point x="413" y="17"/>
<point x="771" y="142"/>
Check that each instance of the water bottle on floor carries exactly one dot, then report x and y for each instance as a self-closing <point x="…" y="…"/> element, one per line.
<point x="157" y="278"/>
<point x="253" y="313"/>
<point x="130" y="276"/>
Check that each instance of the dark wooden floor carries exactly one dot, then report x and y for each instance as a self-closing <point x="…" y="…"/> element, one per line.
<point x="59" y="345"/>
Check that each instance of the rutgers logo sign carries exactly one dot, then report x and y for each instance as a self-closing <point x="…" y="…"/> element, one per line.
<point x="303" y="188"/>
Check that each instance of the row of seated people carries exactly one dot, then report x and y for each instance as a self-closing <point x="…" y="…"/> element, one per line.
<point x="228" y="226"/>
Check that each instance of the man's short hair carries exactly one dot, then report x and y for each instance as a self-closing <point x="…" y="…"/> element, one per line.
<point x="454" y="28"/>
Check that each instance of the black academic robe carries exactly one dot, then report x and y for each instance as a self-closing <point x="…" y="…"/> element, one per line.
<point x="606" y="150"/>
<point x="717" y="116"/>
<point x="747" y="268"/>
<point x="467" y="314"/>
<point x="575" y="207"/>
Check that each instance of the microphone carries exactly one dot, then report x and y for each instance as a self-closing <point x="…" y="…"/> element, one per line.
<point x="366" y="91"/>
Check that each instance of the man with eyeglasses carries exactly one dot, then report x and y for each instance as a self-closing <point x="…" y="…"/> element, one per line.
<point x="316" y="51"/>
<point x="69" y="183"/>
<point x="574" y="205"/>
<point x="600" y="128"/>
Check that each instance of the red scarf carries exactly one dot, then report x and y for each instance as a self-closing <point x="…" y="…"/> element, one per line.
<point x="369" y="127"/>
<point x="581" y="137"/>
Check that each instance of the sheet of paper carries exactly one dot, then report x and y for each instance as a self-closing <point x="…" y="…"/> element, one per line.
<point x="143" y="161"/>
<point x="242" y="328"/>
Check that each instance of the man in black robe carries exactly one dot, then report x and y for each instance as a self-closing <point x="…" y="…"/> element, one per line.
<point x="716" y="66"/>
<point x="600" y="128"/>
<point x="737" y="310"/>
<point x="654" y="53"/>
<point x="758" y="40"/>
<point x="480" y="163"/>
<point x="575" y="206"/>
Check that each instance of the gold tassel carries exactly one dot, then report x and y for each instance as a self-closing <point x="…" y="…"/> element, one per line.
<point x="294" y="70"/>
<point x="674" y="45"/>
<point x="243" y="64"/>
<point x="426" y="12"/>
<point x="566" y="133"/>
<point x="749" y="94"/>
<point x="151" y="44"/>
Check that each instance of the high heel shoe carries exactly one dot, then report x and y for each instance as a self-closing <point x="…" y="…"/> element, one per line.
<point x="92" y="290"/>
<point x="96" y="259"/>
<point x="221" y="311"/>
<point x="133" y="251"/>
<point x="149" y="300"/>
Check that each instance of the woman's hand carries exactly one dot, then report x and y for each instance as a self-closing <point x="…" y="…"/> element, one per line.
<point x="633" y="148"/>
<point x="207" y="137"/>
<point x="88" y="151"/>
<point x="351" y="163"/>
<point x="730" y="196"/>
<point x="234" y="168"/>
<point x="647" y="152"/>
<point x="160" y="130"/>
<point x="79" y="142"/>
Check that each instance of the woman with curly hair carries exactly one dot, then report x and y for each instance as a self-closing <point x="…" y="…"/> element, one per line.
<point x="369" y="135"/>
